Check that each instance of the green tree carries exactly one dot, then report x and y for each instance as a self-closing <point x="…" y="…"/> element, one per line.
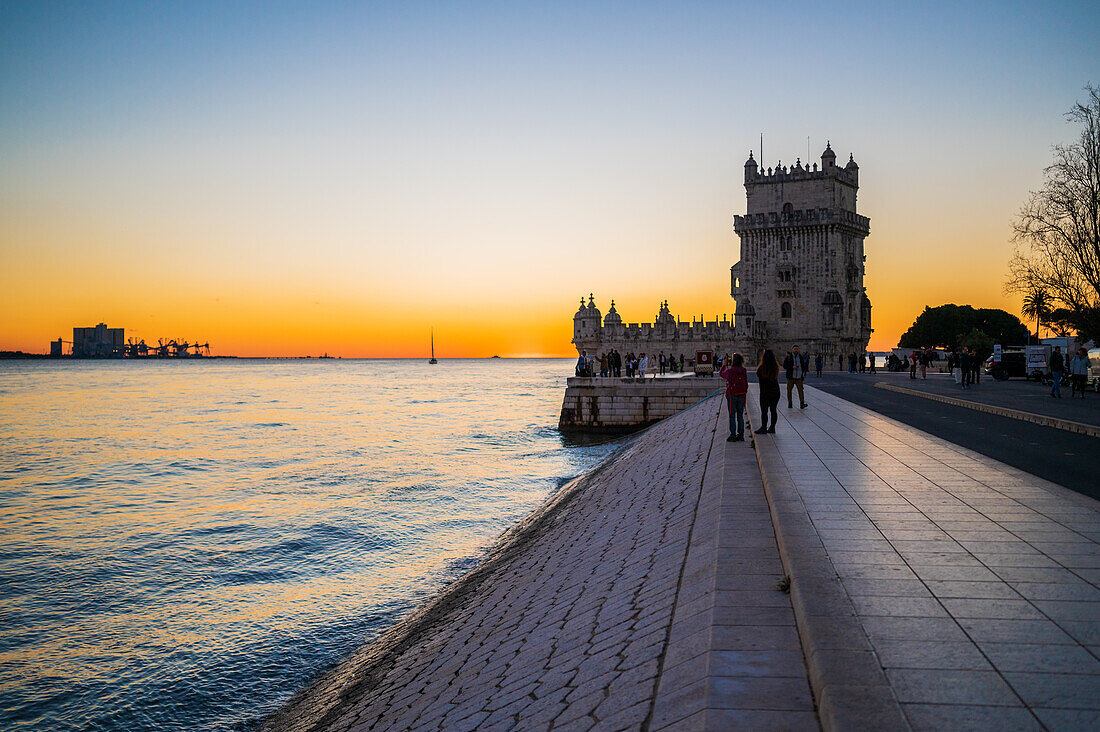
<point x="978" y="342"/>
<point x="946" y="326"/>
<point x="1057" y="232"/>
<point x="1038" y="304"/>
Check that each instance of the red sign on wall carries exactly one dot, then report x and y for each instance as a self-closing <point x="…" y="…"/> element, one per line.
<point x="704" y="362"/>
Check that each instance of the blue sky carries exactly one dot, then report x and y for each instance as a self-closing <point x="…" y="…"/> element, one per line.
<point x="388" y="157"/>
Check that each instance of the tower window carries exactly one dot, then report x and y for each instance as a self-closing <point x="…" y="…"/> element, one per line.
<point x="785" y="242"/>
<point x="785" y="310"/>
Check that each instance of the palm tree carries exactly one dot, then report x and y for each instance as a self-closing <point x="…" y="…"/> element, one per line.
<point x="1037" y="304"/>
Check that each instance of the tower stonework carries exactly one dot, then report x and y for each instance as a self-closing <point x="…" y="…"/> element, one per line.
<point x="800" y="276"/>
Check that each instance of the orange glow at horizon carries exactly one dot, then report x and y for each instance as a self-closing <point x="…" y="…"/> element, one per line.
<point x="476" y="309"/>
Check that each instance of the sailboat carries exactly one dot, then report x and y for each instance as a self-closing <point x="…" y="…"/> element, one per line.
<point x="432" y="359"/>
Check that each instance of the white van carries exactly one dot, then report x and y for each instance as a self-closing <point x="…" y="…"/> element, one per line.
<point x="1094" y="369"/>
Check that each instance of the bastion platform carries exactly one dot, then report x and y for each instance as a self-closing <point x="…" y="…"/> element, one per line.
<point x="930" y="588"/>
<point x="605" y="404"/>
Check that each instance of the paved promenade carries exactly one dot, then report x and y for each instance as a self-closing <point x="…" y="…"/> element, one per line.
<point x="930" y="588"/>
<point x="931" y="583"/>
<point x="642" y="597"/>
<point x="1014" y="394"/>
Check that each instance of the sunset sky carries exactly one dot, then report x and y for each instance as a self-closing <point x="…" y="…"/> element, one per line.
<point x="298" y="178"/>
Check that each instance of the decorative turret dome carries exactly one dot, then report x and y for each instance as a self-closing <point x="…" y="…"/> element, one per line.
<point x="851" y="164"/>
<point x="828" y="158"/>
<point x="592" y="311"/>
<point x="745" y="309"/>
<point x="663" y="315"/>
<point x="612" y="317"/>
<point x="751" y="162"/>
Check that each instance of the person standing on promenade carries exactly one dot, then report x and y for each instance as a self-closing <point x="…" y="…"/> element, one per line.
<point x="913" y="365"/>
<point x="977" y="368"/>
<point x="871" y="358"/>
<point x="582" y="364"/>
<point x="1079" y="372"/>
<point x="840" y="362"/>
<point x="964" y="367"/>
<point x="1057" y="366"/>
<point x="818" y="363"/>
<point x="737" y="385"/>
<point x="796" y="365"/>
<point x="643" y="364"/>
<point x="603" y="365"/>
<point x="767" y="373"/>
<point x="863" y="363"/>
<point x="681" y="363"/>
<point x="662" y="362"/>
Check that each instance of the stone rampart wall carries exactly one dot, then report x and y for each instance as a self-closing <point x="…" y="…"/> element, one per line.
<point x="619" y="405"/>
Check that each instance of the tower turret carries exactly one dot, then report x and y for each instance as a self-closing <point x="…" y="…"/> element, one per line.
<point x="828" y="158"/>
<point x="750" y="168"/>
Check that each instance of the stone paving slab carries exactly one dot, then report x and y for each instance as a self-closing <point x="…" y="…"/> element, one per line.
<point x="955" y="589"/>
<point x="640" y="597"/>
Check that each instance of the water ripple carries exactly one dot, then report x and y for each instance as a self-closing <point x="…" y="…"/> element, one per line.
<point x="185" y="544"/>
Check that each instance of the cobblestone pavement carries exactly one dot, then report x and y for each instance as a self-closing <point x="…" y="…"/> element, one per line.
<point x="641" y="597"/>
<point x="965" y="592"/>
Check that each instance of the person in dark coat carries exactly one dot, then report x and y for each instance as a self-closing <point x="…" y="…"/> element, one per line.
<point x="796" y="365"/>
<point x="767" y="373"/>
<point x="1057" y="368"/>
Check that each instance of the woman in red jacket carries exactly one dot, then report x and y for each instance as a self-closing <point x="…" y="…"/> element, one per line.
<point x="737" y="384"/>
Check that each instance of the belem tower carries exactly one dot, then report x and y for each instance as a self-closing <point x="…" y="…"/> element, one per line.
<point x="799" y="279"/>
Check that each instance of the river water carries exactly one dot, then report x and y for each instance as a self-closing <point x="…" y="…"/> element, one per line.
<point x="187" y="543"/>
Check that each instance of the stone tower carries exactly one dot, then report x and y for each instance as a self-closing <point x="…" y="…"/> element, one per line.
<point x="800" y="276"/>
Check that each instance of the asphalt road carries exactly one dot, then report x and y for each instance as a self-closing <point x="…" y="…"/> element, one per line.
<point x="1062" y="457"/>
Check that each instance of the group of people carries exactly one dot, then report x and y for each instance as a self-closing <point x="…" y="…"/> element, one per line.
<point x="964" y="364"/>
<point x="858" y="362"/>
<point x="733" y="372"/>
<point x="614" y="364"/>
<point x="922" y="358"/>
<point x="1078" y="368"/>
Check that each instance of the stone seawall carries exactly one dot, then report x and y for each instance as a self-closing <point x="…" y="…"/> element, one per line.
<point x="594" y="404"/>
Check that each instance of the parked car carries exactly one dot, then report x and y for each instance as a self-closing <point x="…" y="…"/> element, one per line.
<point x="1094" y="368"/>
<point x="1013" y="364"/>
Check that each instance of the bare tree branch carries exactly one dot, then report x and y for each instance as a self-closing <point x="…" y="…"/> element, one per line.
<point x="1057" y="232"/>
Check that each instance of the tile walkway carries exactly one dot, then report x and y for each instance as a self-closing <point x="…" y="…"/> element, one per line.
<point x="930" y="581"/>
<point x="642" y="596"/>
